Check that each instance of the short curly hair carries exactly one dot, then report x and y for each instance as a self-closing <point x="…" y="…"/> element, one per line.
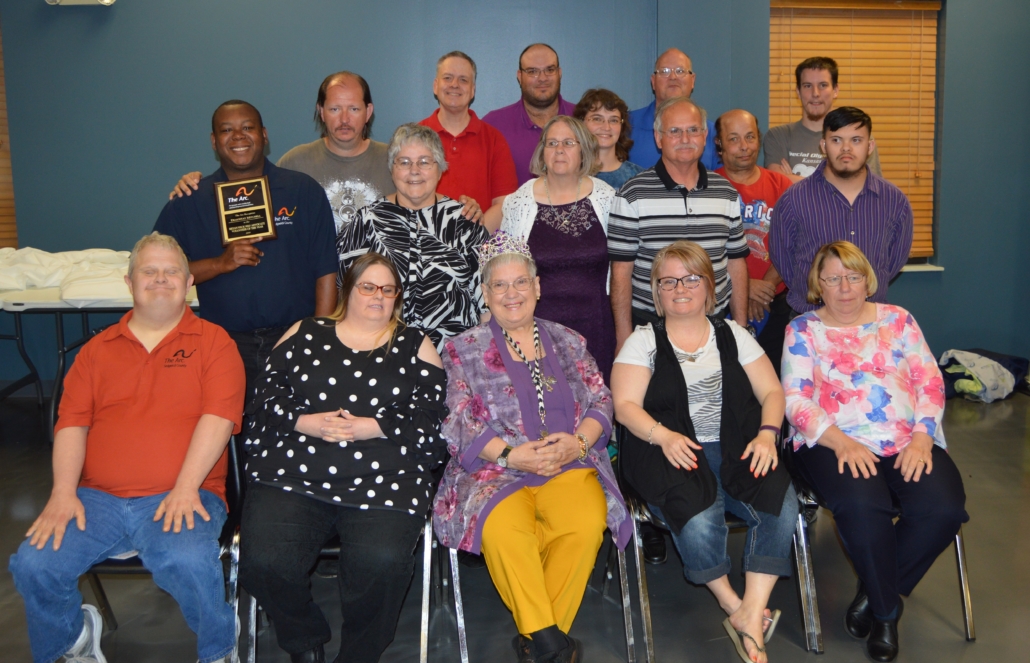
<point x="597" y="98"/>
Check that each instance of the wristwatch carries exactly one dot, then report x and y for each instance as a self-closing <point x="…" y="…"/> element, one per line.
<point x="502" y="460"/>
<point x="751" y="330"/>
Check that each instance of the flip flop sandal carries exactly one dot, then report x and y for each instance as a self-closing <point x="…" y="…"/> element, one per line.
<point x="735" y="637"/>
<point x="774" y="620"/>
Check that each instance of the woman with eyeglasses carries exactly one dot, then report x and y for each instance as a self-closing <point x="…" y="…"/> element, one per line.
<point x="866" y="399"/>
<point x="563" y="216"/>
<point x="529" y="484"/>
<point x="703" y="409"/>
<point x="425" y="236"/>
<point x="344" y="435"/>
<point x="606" y="116"/>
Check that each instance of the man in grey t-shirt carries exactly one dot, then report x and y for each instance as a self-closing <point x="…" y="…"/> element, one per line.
<point x="793" y="149"/>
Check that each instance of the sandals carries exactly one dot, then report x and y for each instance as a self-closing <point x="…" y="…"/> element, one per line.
<point x="735" y="637"/>
<point x="775" y="619"/>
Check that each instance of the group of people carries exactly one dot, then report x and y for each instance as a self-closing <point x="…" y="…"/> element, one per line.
<point x="456" y="325"/>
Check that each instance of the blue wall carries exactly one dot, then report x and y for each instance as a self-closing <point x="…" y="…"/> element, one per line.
<point x="108" y="106"/>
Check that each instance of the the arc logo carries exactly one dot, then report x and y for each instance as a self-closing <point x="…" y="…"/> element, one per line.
<point x="283" y="212"/>
<point x="182" y="353"/>
<point x="242" y="191"/>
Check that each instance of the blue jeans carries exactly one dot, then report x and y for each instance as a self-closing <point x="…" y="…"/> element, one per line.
<point x="702" y="541"/>
<point x="185" y="565"/>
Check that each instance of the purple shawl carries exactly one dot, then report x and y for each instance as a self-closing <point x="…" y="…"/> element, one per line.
<point x="483" y="404"/>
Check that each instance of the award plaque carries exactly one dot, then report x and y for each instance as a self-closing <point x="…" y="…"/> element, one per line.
<point x="245" y="210"/>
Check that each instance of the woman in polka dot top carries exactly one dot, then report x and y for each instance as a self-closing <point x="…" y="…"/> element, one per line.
<point x="344" y="435"/>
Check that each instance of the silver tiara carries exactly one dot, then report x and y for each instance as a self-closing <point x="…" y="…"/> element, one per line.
<point x="499" y="244"/>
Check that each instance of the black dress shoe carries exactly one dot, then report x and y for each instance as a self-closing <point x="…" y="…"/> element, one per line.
<point x="882" y="644"/>
<point x="316" y="655"/>
<point x="858" y="619"/>
<point x="572" y="653"/>
<point x="523" y="647"/>
<point x="654" y="544"/>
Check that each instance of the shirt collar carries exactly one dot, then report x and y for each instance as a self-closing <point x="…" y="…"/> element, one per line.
<point x="473" y="127"/>
<point x="220" y="175"/>
<point x="188" y="324"/>
<point x="670" y="184"/>
<point x="528" y="123"/>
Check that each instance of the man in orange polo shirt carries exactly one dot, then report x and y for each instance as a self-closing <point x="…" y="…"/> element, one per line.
<point x="479" y="163"/>
<point x="139" y="464"/>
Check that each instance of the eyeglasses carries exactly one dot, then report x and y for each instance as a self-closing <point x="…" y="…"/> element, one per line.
<point x="600" y="119"/>
<point x="835" y="281"/>
<point x="425" y="163"/>
<point x="690" y="282"/>
<point x="369" y="289"/>
<point x="567" y="144"/>
<point x="666" y="72"/>
<point x="681" y="132"/>
<point x="533" y="72"/>
<point x="521" y="284"/>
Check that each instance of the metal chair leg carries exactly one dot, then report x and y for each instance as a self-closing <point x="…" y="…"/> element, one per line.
<point x="459" y="610"/>
<point x="645" y="601"/>
<point x="234" y="585"/>
<point x="252" y="631"/>
<point x="806" y="587"/>
<point x="627" y="610"/>
<point x="609" y="568"/>
<point x="427" y="567"/>
<point x="103" y="605"/>
<point x="963" y="580"/>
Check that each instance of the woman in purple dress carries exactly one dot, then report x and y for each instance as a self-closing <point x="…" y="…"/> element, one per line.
<point x="563" y="216"/>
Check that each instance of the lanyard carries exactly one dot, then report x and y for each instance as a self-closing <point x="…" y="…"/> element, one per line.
<point x="539" y="381"/>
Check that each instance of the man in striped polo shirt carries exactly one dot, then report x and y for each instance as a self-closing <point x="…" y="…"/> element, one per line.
<point x="677" y="199"/>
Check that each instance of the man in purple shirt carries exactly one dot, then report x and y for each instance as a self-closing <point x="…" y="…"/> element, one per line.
<point x="539" y="76"/>
<point x="841" y="200"/>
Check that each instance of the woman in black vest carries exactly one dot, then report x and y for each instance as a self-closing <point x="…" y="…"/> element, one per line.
<point x="693" y="384"/>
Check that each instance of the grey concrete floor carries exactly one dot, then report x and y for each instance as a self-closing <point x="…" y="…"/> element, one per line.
<point x="990" y="444"/>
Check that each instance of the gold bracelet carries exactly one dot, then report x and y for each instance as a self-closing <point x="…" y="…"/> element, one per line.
<point x="583" y="445"/>
<point x="651" y="432"/>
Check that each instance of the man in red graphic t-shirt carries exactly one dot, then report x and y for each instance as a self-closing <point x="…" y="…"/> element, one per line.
<point x="738" y="141"/>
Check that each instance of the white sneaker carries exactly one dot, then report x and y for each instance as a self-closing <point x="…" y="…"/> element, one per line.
<point x="87" y="648"/>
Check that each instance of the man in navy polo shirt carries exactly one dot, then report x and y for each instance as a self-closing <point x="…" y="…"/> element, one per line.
<point x="255" y="290"/>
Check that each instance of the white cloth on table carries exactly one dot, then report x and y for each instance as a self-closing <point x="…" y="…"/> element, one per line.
<point x="89" y="275"/>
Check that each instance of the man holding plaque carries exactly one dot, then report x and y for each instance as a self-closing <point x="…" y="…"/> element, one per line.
<point x="259" y="239"/>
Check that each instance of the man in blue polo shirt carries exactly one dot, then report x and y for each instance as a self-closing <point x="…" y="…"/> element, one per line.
<point x="255" y="290"/>
<point x="673" y="76"/>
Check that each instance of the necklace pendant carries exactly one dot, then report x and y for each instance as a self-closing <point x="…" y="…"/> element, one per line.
<point x="549" y="382"/>
<point x="543" y="432"/>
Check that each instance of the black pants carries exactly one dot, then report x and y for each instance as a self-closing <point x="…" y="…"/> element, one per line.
<point x="281" y="536"/>
<point x="254" y="347"/>
<point x="890" y="558"/>
<point x="771" y="338"/>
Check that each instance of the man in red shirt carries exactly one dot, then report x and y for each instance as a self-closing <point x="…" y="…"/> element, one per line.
<point x="479" y="163"/>
<point x="139" y="452"/>
<point x="738" y="141"/>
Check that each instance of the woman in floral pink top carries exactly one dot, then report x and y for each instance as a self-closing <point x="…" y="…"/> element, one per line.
<point x="866" y="400"/>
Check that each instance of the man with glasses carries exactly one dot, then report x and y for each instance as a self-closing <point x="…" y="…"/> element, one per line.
<point x="842" y="200"/>
<point x="251" y="288"/>
<point x="673" y="76"/>
<point x="479" y="162"/>
<point x="539" y="76"/>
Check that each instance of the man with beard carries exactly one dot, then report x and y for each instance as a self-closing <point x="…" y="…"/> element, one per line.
<point x="673" y="76"/>
<point x="793" y="149"/>
<point x="539" y="76"/>
<point x="841" y="200"/>
<point x="349" y="165"/>
<point x="739" y="140"/>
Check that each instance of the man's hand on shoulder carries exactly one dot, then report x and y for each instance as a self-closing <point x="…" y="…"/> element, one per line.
<point x="186" y="185"/>
<point x="179" y="504"/>
<point x="59" y="511"/>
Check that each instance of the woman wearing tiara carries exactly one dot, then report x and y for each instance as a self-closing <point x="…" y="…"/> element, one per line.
<point x="529" y="484"/>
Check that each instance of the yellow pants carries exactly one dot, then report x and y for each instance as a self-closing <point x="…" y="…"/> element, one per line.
<point x="540" y="545"/>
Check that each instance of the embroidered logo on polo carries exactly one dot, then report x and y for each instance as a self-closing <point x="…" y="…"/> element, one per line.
<point x="178" y="358"/>
<point x="283" y="216"/>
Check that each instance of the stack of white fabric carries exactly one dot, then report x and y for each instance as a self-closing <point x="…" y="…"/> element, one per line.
<point x="82" y="276"/>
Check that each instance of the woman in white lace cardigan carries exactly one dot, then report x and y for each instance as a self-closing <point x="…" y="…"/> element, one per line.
<point x="563" y="216"/>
